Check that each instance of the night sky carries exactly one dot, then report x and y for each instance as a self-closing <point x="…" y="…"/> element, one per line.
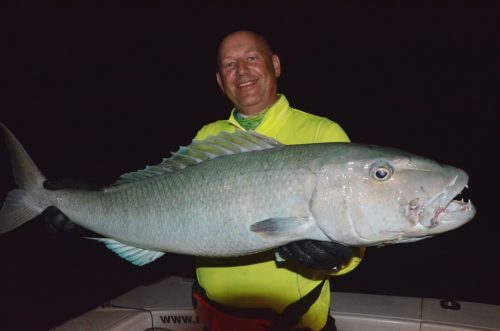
<point x="91" y="96"/>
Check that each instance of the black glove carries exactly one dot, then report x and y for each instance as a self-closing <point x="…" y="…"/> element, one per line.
<point x="324" y="255"/>
<point x="66" y="183"/>
<point x="54" y="219"/>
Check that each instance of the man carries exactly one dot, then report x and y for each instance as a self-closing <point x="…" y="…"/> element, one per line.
<point x="256" y="292"/>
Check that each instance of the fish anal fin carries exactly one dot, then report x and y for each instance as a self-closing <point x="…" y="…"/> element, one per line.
<point x="135" y="255"/>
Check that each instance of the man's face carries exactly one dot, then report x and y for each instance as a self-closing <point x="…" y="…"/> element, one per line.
<point x="247" y="72"/>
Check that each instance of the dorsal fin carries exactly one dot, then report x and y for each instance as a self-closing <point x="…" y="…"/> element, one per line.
<point x="224" y="143"/>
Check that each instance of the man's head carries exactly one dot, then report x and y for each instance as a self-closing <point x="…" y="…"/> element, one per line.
<point x="248" y="71"/>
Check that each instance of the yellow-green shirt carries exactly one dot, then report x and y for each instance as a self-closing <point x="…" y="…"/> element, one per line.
<point x="257" y="280"/>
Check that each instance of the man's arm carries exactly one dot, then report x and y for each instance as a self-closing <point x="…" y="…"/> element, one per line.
<point x="55" y="220"/>
<point x="324" y="255"/>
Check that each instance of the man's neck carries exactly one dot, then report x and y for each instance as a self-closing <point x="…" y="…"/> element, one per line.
<point x="249" y="112"/>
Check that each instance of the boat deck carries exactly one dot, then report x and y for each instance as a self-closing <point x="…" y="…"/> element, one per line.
<point x="166" y="305"/>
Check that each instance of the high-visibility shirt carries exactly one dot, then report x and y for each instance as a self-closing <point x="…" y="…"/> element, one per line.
<point x="257" y="280"/>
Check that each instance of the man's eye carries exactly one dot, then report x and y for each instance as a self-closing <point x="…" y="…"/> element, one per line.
<point x="229" y="65"/>
<point x="252" y="58"/>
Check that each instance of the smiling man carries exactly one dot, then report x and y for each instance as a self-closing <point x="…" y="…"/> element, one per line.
<point x="247" y="72"/>
<point x="257" y="292"/>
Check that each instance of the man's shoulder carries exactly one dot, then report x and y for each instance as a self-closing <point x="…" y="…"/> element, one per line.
<point x="310" y="118"/>
<point x="213" y="128"/>
<point x="302" y="113"/>
<point x="320" y="127"/>
<point x="215" y="124"/>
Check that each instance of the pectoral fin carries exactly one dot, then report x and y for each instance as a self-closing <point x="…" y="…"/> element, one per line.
<point x="134" y="255"/>
<point x="282" y="227"/>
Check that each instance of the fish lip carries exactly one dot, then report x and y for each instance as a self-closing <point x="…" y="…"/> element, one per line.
<point x="443" y="208"/>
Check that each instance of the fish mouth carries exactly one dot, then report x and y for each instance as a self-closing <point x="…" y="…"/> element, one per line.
<point x="445" y="210"/>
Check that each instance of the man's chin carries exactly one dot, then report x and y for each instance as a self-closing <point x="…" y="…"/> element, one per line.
<point x="248" y="102"/>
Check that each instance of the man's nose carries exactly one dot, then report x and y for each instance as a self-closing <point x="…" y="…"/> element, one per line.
<point x="242" y="67"/>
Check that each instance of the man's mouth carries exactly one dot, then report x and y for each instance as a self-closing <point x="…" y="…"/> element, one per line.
<point x="246" y="83"/>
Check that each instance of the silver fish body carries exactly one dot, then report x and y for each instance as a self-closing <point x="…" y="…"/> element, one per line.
<point x="238" y="194"/>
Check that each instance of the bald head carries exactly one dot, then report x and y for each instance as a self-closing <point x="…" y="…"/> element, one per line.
<point x="248" y="71"/>
<point x="244" y="34"/>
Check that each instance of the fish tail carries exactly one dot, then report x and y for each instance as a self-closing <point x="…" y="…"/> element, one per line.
<point x="20" y="206"/>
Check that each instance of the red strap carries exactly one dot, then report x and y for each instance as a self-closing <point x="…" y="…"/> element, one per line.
<point x="216" y="320"/>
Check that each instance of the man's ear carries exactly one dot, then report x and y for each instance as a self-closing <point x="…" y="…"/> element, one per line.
<point x="276" y="65"/>
<point x="219" y="81"/>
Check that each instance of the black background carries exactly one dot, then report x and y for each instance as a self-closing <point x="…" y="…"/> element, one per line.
<point x="94" y="94"/>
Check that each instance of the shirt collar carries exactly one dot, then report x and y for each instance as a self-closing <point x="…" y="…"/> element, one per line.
<point x="274" y="112"/>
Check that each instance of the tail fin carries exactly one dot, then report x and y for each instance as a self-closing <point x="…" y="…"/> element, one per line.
<point x="19" y="206"/>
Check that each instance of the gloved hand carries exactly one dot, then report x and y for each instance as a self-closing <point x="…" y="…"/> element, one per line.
<point x="55" y="220"/>
<point x="69" y="183"/>
<point x="324" y="255"/>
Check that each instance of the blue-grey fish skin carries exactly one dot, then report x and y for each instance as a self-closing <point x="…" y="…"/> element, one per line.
<point x="238" y="194"/>
<point x="199" y="209"/>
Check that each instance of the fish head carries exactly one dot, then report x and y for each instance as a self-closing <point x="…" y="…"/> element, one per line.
<point x="377" y="196"/>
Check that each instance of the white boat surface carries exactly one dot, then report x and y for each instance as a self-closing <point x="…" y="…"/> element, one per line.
<point x="166" y="305"/>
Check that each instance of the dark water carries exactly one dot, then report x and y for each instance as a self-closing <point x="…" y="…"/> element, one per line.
<point x="92" y="96"/>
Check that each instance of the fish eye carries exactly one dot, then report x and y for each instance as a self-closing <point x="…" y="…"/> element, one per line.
<point x="381" y="171"/>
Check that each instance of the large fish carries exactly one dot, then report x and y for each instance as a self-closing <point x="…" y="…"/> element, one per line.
<point x="242" y="193"/>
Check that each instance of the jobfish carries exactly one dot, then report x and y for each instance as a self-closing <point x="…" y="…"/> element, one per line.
<point x="241" y="193"/>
